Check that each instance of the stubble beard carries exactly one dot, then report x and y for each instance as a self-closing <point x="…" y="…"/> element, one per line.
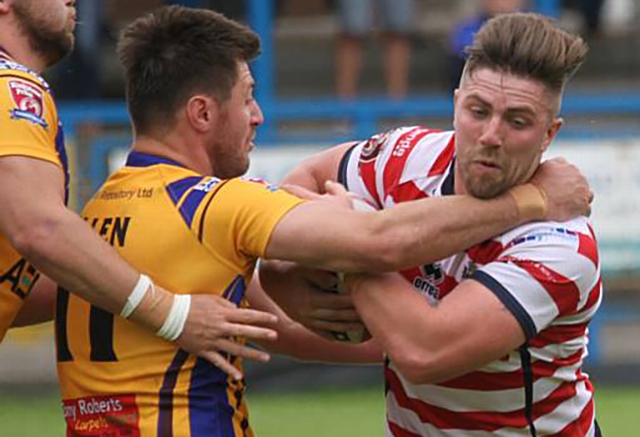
<point x="483" y="186"/>
<point x="51" y="45"/>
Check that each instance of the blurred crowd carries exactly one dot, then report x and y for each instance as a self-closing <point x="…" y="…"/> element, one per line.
<point x="396" y="25"/>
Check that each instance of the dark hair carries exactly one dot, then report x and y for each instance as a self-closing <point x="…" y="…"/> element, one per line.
<point x="527" y="45"/>
<point x="175" y="52"/>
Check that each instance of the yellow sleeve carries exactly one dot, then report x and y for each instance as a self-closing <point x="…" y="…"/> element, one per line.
<point x="28" y="118"/>
<point x="242" y="214"/>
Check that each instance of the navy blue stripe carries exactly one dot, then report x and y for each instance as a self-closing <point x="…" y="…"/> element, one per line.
<point x="206" y="209"/>
<point x="190" y="205"/>
<point x="165" y="401"/>
<point x="64" y="160"/>
<point x="527" y="374"/>
<point x="235" y="291"/>
<point x="210" y="411"/>
<point x="449" y="182"/>
<point x="177" y="189"/>
<point x="344" y="165"/>
<point x="137" y="159"/>
<point x="523" y="317"/>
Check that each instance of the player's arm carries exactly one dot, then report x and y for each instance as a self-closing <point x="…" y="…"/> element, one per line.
<point x="307" y="296"/>
<point x="326" y="235"/>
<point x="481" y="320"/>
<point x="298" y="342"/>
<point x="39" y="305"/>
<point x="61" y="245"/>
<point x="429" y="344"/>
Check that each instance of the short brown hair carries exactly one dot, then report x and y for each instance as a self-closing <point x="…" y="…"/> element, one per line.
<point x="527" y="45"/>
<point x="175" y="52"/>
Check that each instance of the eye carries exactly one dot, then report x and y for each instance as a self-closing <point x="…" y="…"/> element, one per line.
<point x="249" y="98"/>
<point x="519" y="122"/>
<point x="478" y="111"/>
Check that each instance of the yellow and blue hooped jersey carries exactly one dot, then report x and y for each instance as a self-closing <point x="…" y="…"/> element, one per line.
<point x="29" y="127"/>
<point x="192" y="234"/>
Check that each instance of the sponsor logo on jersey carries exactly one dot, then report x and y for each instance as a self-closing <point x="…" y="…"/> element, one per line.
<point x="427" y="284"/>
<point x="94" y="416"/>
<point x="405" y="144"/>
<point x="469" y="269"/>
<point x="548" y="233"/>
<point x="207" y="184"/>
<point x="374" y="146"/>
<point x="29" y="102"/>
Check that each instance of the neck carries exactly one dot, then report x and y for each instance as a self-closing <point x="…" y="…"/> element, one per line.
<point x="172" y="146"/>
<point x="17" y="46"/>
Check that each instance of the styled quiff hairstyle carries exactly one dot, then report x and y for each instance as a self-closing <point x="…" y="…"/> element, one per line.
<point x="176" y="52"/>
<point x="527" y="45"/>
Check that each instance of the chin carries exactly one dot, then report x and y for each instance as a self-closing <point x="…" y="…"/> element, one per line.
<point x="483" y="189"/>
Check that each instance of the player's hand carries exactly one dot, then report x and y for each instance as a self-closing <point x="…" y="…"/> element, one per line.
<point x="334" y="192"/>
<point x="308" y="296"/>
<point x="212" y="324"/>
<point x="567" y="190"/>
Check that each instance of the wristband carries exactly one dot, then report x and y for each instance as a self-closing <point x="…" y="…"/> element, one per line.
<point x="174" y="323"/>
<point x="139" y="291"/>
<point x="531" y="201"/>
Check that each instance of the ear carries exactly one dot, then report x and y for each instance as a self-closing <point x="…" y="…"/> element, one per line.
<point x="202" y="112"/>
<point x="551" y="133"/>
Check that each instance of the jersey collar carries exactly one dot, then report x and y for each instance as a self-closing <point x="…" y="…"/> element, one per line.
<point x="138" y="159"/>
<point x="447" y="188"/>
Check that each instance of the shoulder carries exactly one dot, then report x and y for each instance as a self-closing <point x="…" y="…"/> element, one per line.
<point x="26" y="95"/>
<point x="551" y="234"/>
<point x="568" y="248"/>
<point x="404" y="146"/>
<point x="11" y="71"/>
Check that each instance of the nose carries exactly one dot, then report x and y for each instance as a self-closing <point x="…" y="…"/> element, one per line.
<point x="492" y="132"/>
<point x="257" y="118"/>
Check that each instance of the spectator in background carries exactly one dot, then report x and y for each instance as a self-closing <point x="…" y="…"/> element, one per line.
<point x="591" y="11"/>
<point x="395" y="19"/>
<point x="464" y="31"/>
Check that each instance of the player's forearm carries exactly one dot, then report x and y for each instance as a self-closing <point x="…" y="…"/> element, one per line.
<point x="298" y="342"/>
<point x="432" y="343"/>
<point x="404" y="325"/>
<point x="67" y="250"/>
<point x="424" y="231"/>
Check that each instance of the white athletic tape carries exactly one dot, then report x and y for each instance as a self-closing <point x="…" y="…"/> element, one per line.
<point x="139" y="291"/>
<point x="174" y="323"/>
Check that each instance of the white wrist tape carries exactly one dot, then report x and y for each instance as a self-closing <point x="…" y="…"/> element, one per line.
<point x="136" y="296"/>
<point x="174" y="323"/>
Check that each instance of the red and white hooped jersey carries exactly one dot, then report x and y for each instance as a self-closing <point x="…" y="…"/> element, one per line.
<point x="547" y="274"/>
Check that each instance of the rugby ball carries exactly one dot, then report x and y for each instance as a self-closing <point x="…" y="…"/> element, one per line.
<point x="359" y="335"/>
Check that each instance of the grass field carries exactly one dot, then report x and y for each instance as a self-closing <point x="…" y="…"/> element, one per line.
<point x="356" y="413"/>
